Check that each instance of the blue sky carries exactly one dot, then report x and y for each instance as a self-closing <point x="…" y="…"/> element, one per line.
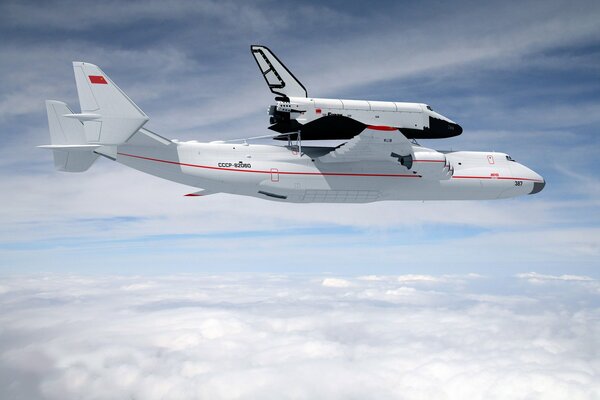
<point x="520" y="78"/>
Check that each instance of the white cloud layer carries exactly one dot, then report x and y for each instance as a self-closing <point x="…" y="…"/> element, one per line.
<point x="277" y="336"/>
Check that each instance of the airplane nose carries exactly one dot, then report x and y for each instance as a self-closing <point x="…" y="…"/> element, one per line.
<point x="538" y="187"/>
<point x="440" y="128"/>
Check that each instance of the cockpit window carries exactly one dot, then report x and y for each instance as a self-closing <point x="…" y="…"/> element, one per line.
<point x="429" y="108"/>
<point x="509" y="158"/>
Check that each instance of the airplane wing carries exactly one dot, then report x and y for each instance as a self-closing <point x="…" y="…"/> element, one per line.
<point x="374" y="143"/>
<point x="281" y="81"/>
<point x="382" y="143"/>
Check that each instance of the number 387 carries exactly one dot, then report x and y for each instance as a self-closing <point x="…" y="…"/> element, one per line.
<point x="518" y="183"/>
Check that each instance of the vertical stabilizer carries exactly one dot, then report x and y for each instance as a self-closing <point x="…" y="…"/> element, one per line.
<point x="281" y="81"/>
<point x="107" y="113"/>
<point x="71" y="151"/>
<point x="63" y="130"/>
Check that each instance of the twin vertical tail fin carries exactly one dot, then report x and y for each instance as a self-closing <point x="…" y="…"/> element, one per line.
<point x="108" y="118"/>
<point x="72" y="153"/>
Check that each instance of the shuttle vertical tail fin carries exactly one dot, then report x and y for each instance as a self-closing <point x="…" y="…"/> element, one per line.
<point x="281" y="81"/>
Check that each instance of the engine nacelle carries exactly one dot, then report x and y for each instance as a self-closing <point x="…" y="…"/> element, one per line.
<point x="432" y="165"/>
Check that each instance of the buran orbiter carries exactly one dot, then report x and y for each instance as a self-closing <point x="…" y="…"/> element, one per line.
<point x="379" y="160"/>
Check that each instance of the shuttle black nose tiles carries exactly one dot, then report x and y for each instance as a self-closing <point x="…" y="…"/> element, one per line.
<point x="455" y="128"/>
<point x="438" y="129"/>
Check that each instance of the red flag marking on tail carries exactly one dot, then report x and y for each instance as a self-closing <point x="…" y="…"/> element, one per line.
<point x="98" y="79"/>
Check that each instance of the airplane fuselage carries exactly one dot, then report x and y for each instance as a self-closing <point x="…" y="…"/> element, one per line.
<point x="282" y="173"/>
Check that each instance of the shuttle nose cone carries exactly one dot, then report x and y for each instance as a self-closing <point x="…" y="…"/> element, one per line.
<point x="440" y="128"/>
<point x="456" y="128"/>
<point x="538" y="187"/>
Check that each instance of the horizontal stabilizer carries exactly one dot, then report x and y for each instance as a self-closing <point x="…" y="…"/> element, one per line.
<point x="63" y="130"/>
<point x="71" y="147"/>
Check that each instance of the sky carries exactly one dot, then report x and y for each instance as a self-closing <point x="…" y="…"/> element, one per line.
<point x="522" y="82"/>
<point x="119" y="253"/>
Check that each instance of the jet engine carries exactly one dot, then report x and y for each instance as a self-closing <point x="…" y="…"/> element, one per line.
<point x="432" y="165"/>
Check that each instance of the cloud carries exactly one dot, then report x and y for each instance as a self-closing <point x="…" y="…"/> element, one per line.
<point x="279" y="336"/>
<point x="113" y="13"/>
<point x="577" y="282"/>
<point x="419" y="278"/>
<point x="535" y="277"/>
<point x="336" y="283"/>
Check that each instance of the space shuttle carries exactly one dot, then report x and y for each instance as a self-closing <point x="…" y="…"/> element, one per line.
<point x="295" y="113"/>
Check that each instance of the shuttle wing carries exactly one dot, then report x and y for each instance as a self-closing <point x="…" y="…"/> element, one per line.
<point x="375" y="143"/>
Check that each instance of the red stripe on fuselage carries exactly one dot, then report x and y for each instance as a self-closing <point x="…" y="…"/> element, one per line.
<point x="497" y="177"/>
<point x="256" y="171"/>
<point x="311" y="173"/>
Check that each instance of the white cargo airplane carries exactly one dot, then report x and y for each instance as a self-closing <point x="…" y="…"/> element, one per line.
<point x="377" y="162"/>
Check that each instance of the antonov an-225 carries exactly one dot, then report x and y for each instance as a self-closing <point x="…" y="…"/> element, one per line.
<point x="379" y="160"/>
